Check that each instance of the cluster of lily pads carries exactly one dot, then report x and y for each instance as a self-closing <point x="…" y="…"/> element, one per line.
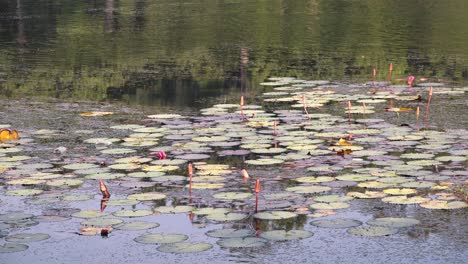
<point x="311" y="163"/>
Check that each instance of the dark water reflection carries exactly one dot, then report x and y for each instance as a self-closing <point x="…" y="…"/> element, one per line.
<point x="176" y="53"/>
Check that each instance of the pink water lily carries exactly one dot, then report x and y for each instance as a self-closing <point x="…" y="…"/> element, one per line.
<point x="410" y="80"/>
<point x="160" y="154"/>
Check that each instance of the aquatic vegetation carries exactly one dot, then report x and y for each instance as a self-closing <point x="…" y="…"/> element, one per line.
<point x="300" y="161"/>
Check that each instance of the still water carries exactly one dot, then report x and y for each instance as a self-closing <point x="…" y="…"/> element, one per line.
<point x="179" y="53"/>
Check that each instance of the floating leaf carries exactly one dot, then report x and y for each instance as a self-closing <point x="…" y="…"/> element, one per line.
<point x="329" y="206"/>
<point x="147" y="196"/>
<point x="444" y="205"/>
<point x="89" y="214"/>
<point x="24" y="192"/>
<point x="160" y="238"/>
<point x="230" y="233"/>
<point x="14" y="217"/>
<point x="11" y="248"/>
<point x="373" y="231"/>
<point x="222" y="217"/>
<point x="135" y="226"/>
<point x="283" y="235"/>
<point x="232" y="195"/>
<point x="403" y="199"/>
<point x="88" y="114"/>
<point x="243" y="242"/>
<point x="308" y="189"/>
<point x="132" y="213"/>
<point x="174" y="209"/>
<point x="393" y="222"/>
<point x="274" y="215"/>
<point x="337" y="223"/>
<point x="101" y="222"/>
<point x="184" y="247"/>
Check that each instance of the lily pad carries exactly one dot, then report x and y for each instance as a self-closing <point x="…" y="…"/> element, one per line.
<point x="308" y="189"/>
<point x="14" y="216"/>
<point x="230" y="233"/>
<point x="232" y="195"/>
<point x="132" y="213"/>
<point x="185" y="247"/>
<point x="283" y="235"/>
<point x="329" y="206"/>
<point x="149" y="196"/>
<point x="336" y="223"/>
<point x="11" y="248"/>
<point x="24" y="192"/>
<point x="174" y="209"/>
<point x="89" y="214"/>
<point x="373" y="231"/>
<point x="274" y="215"/>
<point x="393" y="222"/>
<point x="222" y="217"/>
<point x="135" y="226"/>
<point x="160" y="238"/>
<point x="242" y="242"/>
<point x="101" y="222"/>
<point x="444" y="205"/>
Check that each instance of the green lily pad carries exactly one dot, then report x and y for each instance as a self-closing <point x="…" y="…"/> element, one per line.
<point x="230" y="233"/>
<point x="89" y="214"/>
<point x="14" y="216"/>
<point x="118" y="151"/>
<point x="222" y="217"/>
<point x="398" y="191"/>
<point x="366" y="195"/>
<point x="403" y="199"/>
<point x="132" y="213"/>
<point x="444" y="205"/>
<point x="80" y="166"/>
<point x="149" y="196"/>
<point x="122" y="202"/>
<point x="207" y="185"/>
<point x="336" y="223"/>
<point x="135" y="226"/>
<point x="315" y="179"/>
<point x="165" y="116"/>
<point x="27" y="237"/>
<point x="232" y="195"/>
<point x="308" y="189"/>
<point x="264" y="162"/>
<point x="373" y="231"/>
<point x="393" y="222"/>
<point x="105" y="176"/>
<point x="83" y="197"/>
<point x="160" y="238"/>
<point x="329" y="206"/>
<point x="125" y="166"/>
<point x="174" y="209"/>
<point x="210" y="210"/>
<point x="356" y="177"/>
<point x="283" y="235"/>
<point x="185" y="247"/>
<point x="332" y="198"/>
<point x="101" y="222"/>
<point x="26" y="182"/>
<point x="24" y="192"/>
<point x="242" y="242"/>
<point x="67" y="182"/>
<point x="11" y="248"/>
<point x="274" y="215"/>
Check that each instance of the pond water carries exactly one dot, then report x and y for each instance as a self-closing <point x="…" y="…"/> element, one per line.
<point x="355" y="169"/>
<point x="179" y="53"/>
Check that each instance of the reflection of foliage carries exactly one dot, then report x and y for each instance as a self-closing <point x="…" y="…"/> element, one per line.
<point x="170" y="41"/>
